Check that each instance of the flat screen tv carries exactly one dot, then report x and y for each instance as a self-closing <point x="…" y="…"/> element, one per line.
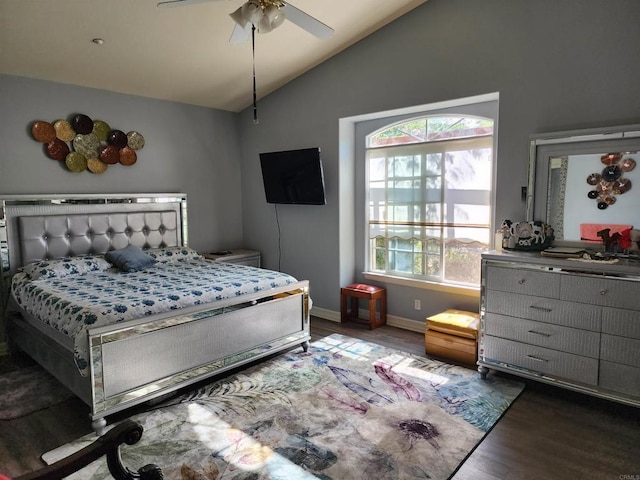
<point x="293" y="176"/>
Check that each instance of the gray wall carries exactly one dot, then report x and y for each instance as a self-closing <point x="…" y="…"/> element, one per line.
<point x="187" y="149"/>
<point x="557" y="64"/>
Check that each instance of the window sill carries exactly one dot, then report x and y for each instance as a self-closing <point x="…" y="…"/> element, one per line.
<point x="409" y="282"/>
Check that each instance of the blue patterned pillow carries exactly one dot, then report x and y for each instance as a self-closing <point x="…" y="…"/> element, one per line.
<point x="66" y="266"/>
<point x="130" y="259"/>
<point x="174" y="254"/>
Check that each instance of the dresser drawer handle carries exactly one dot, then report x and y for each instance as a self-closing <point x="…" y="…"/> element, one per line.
<point x="521" y="281"/>
<point x="537" y="359"/>
<point x="603" y="292"/>
<point x="544" y="309"/>
<point x="542" y="334"/>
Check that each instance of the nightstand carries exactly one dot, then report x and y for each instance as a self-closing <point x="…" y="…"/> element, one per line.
<point x="239" y="256"/>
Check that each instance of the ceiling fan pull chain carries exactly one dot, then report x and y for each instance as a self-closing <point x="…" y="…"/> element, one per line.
<point x="253" y="49"/>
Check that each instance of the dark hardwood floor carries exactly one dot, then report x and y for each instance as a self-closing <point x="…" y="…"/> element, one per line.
<point x="548" y="433"/>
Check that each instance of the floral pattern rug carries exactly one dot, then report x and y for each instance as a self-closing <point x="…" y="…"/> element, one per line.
<point x="346" y="409"/>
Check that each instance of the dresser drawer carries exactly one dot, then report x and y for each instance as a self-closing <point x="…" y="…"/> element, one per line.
<point x="571" y="340"/>
<point x="542" y="360"/>
<point x="620" y="350"/>
<point x="600" y="291"/>
<point x="620" y="378"/>
<point x="522" y="280"/>
<point x="624" y="323"/>
<point x="549" y="310"/>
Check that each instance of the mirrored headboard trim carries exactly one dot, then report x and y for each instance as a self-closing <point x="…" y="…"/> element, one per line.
<point x="12" y="207"/>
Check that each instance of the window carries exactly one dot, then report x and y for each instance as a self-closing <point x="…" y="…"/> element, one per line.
<point x="429" y="184"/>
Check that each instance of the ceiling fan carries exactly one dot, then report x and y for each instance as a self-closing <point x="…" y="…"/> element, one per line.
<point x="263" y="16"/>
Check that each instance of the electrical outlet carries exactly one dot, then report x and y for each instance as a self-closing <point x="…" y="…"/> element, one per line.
<point x="417" y="304"/>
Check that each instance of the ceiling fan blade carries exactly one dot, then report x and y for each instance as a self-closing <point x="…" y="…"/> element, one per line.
<point x="240" y="34"/>
<point x="307" y="22"/>
<point x="180" y="3"/>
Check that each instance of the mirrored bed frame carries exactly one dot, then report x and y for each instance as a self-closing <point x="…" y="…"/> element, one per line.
<point x="142" y="359"/>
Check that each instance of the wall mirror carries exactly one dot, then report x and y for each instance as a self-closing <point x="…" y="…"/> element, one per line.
<point x="581" y="181"/>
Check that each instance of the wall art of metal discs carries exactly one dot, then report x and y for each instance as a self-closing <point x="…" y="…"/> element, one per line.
<point x="610" y="182"/>
<point x="84" y="144"/>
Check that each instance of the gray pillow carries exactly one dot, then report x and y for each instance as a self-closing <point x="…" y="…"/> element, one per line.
<point x="129" y="259"/>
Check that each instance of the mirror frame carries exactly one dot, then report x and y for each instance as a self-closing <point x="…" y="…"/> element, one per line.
<point x="571" y="142"/>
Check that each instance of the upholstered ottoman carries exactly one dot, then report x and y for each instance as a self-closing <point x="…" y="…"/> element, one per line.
<point x="453" y="335"/>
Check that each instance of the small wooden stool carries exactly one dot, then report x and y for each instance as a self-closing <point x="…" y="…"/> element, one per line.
<point x="371" y="293"/>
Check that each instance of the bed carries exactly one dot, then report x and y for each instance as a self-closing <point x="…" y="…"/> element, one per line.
<point x="118" y="339"/>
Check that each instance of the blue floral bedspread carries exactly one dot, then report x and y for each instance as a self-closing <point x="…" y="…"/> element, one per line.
<point x="74" y="303"/>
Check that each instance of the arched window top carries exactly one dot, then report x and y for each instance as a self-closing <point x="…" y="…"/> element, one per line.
<point x="430" y="129"/>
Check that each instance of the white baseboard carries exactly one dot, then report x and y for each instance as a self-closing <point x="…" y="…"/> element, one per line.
<point x="393" y="321"/>
<point x="326" y="314"/>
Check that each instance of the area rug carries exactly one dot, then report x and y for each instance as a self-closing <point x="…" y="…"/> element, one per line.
<point x="346" y="409"/>
<point x="28" y="390"/>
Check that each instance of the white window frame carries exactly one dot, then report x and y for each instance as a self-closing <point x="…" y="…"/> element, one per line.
<point x="461" y="107"/>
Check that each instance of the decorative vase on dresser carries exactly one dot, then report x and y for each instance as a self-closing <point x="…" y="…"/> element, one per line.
<point x="568" y="322"/>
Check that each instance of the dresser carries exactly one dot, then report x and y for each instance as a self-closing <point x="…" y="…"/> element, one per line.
<point x="566" y="322"/>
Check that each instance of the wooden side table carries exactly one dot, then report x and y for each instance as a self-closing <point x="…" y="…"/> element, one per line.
<point x="354" y="292"/>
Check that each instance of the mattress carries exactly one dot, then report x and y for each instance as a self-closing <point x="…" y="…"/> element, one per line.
<point x="74" y="303"/>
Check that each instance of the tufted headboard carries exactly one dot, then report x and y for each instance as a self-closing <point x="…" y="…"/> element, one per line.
<point x="57" y="236"/>
<point x="47" y="229"/>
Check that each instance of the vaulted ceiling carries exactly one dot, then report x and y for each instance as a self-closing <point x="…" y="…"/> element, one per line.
<point x="180" y="54"/>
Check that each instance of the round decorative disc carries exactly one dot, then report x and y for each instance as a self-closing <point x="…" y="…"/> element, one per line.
<point x="610" y="158"/>
<point x="594" y="178"/>
<point x="76" y="162"/>
<point x="627" y="164"/>
<point x="64" y="130"/>
<point x="602" y="205"/>
<point x="101" y="130"/>
<point x="87" y="145"/>
<point x="57" y="149"/>
<point x="621" y="186"/>
<point x="592" y="194"/>
<point x="604" y="187"/>
<point x="43" y="131"/>
<point x="109" y="155"/>
<point x="117" y="138"/>
<point x="96" y="166"/>
<point x="82" y="124"/>
<point x="611" y="173"/>
<point x="135" y="140"/>
<point x="128" y="156"/>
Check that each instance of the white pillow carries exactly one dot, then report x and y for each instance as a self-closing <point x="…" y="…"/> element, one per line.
<point x="173" y="254"/>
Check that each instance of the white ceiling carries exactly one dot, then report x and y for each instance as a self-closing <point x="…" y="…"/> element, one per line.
<point x="181" y="54"/>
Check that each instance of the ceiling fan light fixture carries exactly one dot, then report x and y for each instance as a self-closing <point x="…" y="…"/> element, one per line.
<point x="264" y="26"/>
<point x="273" y="17"/>
<point x="238" y="17"/>
<point x="252" y="11"/>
